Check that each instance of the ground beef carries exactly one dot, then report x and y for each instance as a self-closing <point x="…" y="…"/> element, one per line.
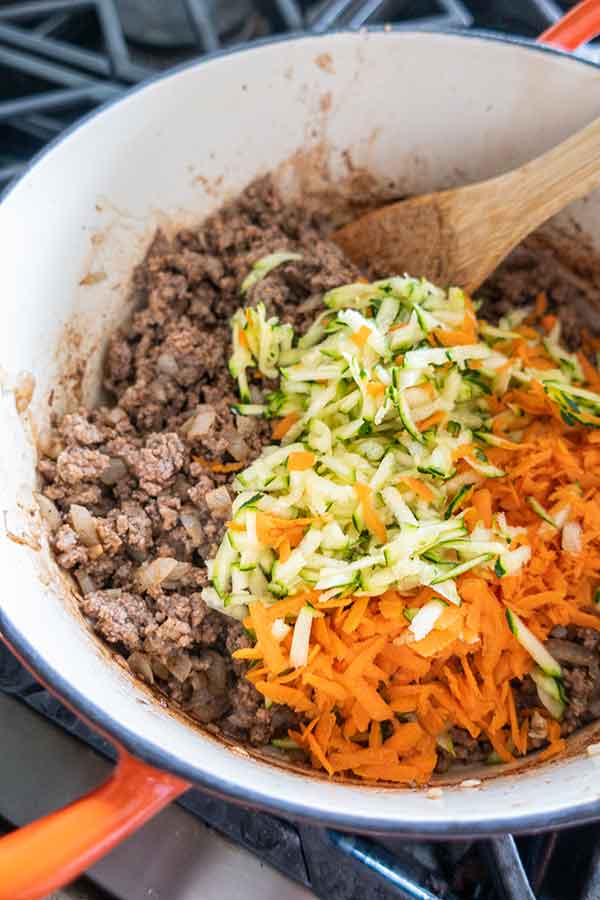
<point x="146" y="481"/>
<point x="576" y="649"/>
<point x="158" y="462"/>
<point x="534" y="267"/>
<point x="77" y="464"/>
<point x="120" y="617"/>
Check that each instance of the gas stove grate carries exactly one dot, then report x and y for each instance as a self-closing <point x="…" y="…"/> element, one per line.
<point x="61" y="58"/>
<point x="336" y="866"/>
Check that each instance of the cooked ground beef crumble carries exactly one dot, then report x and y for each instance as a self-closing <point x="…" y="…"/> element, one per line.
<point x="141" y="467"/>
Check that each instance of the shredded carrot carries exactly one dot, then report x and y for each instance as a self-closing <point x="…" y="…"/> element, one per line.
<point x="284" y="550"/>
<point x="453" y="338"/>
<point x="379" y="756"/>
<point x="278" y="693"/>
<point x="243" y="338"/>
<point x="462" y="452"/>
<point x="364" y="665"/>
<point x="372" y="519"/>
<point x="434" y="419"/>
<point x="318" y="753"/>
<point x="219" y="467"/>
<point x="418" y="487"/>
<point x="375" y="389"/>
<point x="361" y="336"/>
<point x="281" y="428"/>
<point x="553" y="749"/>
<point x="235" y="526"/>
<point x="327" y="686"/>
<point x="356" y="614"/>
<point x="247" y="653"/>
<point x="300" y="460"/>
<point x="270" y="649"/>
<point x="482" y="501"/>
<point x="541" y="305"/>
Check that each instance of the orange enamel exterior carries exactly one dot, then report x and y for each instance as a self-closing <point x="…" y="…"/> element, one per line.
<point x="578" y="26"/>
<point x="42" y="856"/>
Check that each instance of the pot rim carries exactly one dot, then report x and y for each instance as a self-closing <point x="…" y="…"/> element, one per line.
<point x="144" y="748"/>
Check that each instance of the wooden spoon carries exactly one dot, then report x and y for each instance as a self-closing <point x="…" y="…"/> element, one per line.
<point x="459" y="237"/>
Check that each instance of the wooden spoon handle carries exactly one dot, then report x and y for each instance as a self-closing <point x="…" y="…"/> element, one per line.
<point x="543" y="187"/>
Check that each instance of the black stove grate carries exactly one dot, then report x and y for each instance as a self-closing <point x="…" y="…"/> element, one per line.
<point x="555" y="866"/>
<point x="58" y="60"/>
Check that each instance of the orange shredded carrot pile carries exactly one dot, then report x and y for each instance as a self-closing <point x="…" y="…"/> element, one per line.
<point x="376" y="702"/>
<point x="363" y="679"/>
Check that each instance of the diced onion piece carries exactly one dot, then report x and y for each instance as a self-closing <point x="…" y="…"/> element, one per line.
<point x="301" y="638"/>
<point x="279" y="629"/>
<point x="177" y="573"/>
<point x="571" y="537"/>
<point x="140" y="665"/>
<point x="114" y="472"/>
<point x="425" y="619"/>
<point x="85" y="582"/>
<point x="24" y="391"/>
<point x="49" y="511"/>
<point x="49" y="443"/>
<point x="179" y="665"/>
<point x="201" y="423"/>
<point x="191" y="522"/>
<point x="238" y="447"/>
<point x="219" y="502"/>
<point x="115" y="415"/>
<point x="159" y="668"/>
<point x="167" y="364"/>
<point x="152" y="575"/>
<point x="83" y="523"/>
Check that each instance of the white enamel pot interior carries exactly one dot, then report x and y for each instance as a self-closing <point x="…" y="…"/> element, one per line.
<point x="424" y="110"/>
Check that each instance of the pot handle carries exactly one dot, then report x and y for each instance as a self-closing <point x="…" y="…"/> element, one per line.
<point x="577" y="27"/>
<point x="48" y="853"/>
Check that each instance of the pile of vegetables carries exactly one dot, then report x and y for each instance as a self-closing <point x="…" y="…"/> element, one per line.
<point x="427" y="513"/>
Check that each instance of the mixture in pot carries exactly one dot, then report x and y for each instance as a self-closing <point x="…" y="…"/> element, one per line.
<point x="354" y="520"/>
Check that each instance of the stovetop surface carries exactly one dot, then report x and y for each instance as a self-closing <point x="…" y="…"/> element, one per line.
<point x="58" y="60"/>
